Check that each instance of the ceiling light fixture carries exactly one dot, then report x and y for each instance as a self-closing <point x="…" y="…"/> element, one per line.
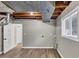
<point x="31" y="13"/>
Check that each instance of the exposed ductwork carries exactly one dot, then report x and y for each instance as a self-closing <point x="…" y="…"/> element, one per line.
<point x="4" y="19"/>
<point x="46" y="8"/>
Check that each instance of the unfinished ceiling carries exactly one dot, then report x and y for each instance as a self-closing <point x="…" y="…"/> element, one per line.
<point x="27" y="15"/>
<point x="59" y="8"/>
<point x="46" y="8"/>
<point x="50" y="9"/>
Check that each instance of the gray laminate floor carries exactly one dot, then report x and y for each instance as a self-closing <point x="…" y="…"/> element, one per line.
<point x="31" y="53"/>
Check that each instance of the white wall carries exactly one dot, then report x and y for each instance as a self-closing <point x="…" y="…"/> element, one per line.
<point x="68" y="48"/>
<point x="33" y="31"/>
<point x="3" y="8"/>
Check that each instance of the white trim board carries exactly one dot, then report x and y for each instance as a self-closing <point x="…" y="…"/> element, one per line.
<point x="39" y="47"/>
<point x="60" y="53"/>
<point x="9" y="49"/>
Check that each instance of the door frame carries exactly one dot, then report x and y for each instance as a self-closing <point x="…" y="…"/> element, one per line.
<point x="2" y="41"/>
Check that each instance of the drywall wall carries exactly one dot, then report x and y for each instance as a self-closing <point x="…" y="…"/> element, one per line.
<point x="37" y="34"/>
<point x="3" y="8"/>
<point x="68" y="48"/>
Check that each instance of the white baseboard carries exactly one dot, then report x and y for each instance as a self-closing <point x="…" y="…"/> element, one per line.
<point x="60" y="53"/>
<point x="9" y="49"/>
<point x="0" y="52"/>
<point x="39" y="47"/>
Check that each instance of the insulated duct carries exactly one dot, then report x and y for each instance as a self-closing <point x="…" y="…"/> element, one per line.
<point x="5" y="19"/>
<point x="47" y="10"/>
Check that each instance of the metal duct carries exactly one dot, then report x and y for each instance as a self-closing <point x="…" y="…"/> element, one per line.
<point x="47" y="10"/>
<point x="5" y="19"/>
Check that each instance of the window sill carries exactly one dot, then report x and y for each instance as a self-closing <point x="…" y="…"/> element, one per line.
<point x="72" y="38"/>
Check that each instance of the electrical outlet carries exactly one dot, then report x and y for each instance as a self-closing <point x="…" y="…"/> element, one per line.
<point x="42" y="36"/>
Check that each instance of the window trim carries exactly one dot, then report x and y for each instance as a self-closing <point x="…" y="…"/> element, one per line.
<point x="70" y="14"/>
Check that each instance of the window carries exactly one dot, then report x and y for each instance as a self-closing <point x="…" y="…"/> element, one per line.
<point x="69" y="25"/>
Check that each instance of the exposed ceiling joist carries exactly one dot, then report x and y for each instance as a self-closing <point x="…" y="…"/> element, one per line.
<point x="35" y="6"/>
<point x="27" y="15"/>
<point x="59" y="7"/>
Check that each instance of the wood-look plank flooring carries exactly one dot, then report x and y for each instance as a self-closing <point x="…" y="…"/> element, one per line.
<point x="31" y="53"/>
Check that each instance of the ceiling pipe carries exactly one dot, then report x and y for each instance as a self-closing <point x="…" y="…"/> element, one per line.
<point x="5" y="19"/>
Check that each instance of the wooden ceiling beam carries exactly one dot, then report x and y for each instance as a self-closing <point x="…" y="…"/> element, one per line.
<point x="59" y="7"/>
<point x="3" y="13"/>
<point x="62" y="6"/>
<point x="62" y="3"/>
<point x="57" y="11"/>
<point x="27" y="15"/>
<point x="55" y="15"/>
